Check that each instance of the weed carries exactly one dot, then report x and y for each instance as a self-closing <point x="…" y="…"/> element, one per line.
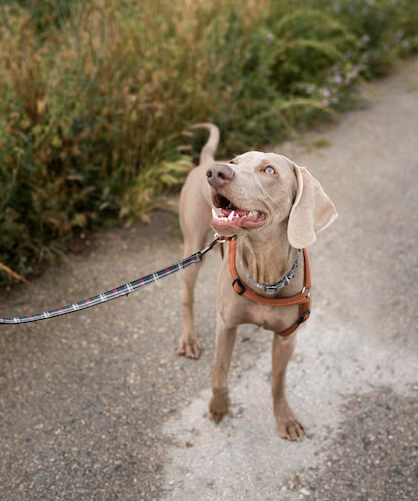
<point x="94" y="97"/>
<point x="321" y="143"/>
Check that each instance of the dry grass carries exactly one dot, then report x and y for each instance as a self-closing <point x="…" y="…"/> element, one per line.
<point x="94" y="97"/>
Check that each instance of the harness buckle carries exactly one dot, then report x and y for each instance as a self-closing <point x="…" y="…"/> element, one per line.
<point x="241" y="290"/>
<point x="304" y="317"/>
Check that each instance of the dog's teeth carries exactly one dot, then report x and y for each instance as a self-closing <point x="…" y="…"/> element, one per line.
<point x="214" y="214"/>
<point x="217" y="214"/>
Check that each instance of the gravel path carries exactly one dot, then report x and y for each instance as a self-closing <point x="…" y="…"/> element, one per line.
<point x="98" y="406"/>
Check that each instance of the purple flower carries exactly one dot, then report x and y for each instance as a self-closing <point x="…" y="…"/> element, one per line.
<point x="326" y="93"/>
<point x="338" y="79"/>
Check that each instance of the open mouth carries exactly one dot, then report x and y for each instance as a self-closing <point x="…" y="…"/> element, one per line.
<point x="227" y="215"/>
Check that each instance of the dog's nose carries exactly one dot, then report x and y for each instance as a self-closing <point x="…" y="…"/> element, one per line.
<point x="219" y="174"/>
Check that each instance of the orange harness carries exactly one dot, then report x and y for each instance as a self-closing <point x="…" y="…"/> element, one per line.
<point x="302" y="299"/>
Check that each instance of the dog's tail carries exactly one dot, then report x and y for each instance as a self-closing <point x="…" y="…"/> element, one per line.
<point x="207" y="154"/>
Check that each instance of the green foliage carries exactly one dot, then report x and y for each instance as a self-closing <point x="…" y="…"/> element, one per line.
<point x="94" y="97"/>
<point x="386" y="28"/>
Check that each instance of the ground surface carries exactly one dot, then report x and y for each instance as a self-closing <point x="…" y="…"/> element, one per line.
<point x="98" y="406"/>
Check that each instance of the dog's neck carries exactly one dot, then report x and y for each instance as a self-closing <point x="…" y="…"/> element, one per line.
<point x="266" y="256"/>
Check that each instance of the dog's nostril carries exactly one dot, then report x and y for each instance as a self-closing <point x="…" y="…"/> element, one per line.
<point x="224" y="172"/>
<point x="219" y="174"/>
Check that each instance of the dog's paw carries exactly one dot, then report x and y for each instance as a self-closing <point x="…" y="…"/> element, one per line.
<point x="190" y="348"/>
<point x="219" y="406"/>
<point x="291" y="429"/>
<point x="288" y="425"/>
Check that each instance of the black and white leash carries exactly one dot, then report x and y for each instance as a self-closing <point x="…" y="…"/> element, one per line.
<point x="123" y="290"/>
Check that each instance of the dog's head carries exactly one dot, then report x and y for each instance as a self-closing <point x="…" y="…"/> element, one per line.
<point x="256" y="190"/>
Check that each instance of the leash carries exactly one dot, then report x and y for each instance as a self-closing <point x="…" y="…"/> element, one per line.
<point x="123" y="290"/>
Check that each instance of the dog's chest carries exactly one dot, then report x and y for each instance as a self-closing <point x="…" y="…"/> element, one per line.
<point x="240" y="310"/>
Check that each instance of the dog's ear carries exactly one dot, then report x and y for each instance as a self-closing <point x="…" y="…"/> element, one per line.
<point x="312" y="210"/>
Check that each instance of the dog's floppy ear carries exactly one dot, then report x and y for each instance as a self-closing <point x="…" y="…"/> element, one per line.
<point x="312" y="210"/>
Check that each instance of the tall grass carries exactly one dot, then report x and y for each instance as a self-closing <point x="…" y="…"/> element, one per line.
<point x="94" y="97"/>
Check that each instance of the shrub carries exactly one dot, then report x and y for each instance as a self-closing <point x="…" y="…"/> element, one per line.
<point x="94" y="97"/>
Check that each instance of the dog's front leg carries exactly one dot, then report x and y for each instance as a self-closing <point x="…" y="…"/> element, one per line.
<point x="225" y="340"/>
<point x="288" y="425"/>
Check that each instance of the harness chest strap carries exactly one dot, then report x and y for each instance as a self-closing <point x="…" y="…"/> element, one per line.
<point x="302" y="299"/>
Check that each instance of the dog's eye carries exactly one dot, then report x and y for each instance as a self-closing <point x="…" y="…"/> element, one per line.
<point x="232" y="162"/>
<point x="269" y="170"/>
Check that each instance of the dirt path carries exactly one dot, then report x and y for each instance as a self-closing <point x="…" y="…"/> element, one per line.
<point x="97" y="406"/>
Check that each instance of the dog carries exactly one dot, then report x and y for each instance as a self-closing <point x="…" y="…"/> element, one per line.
<point x="270" y="208"/>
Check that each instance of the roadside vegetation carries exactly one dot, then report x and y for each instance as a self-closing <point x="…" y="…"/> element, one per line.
<point x="95" y="96"/>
